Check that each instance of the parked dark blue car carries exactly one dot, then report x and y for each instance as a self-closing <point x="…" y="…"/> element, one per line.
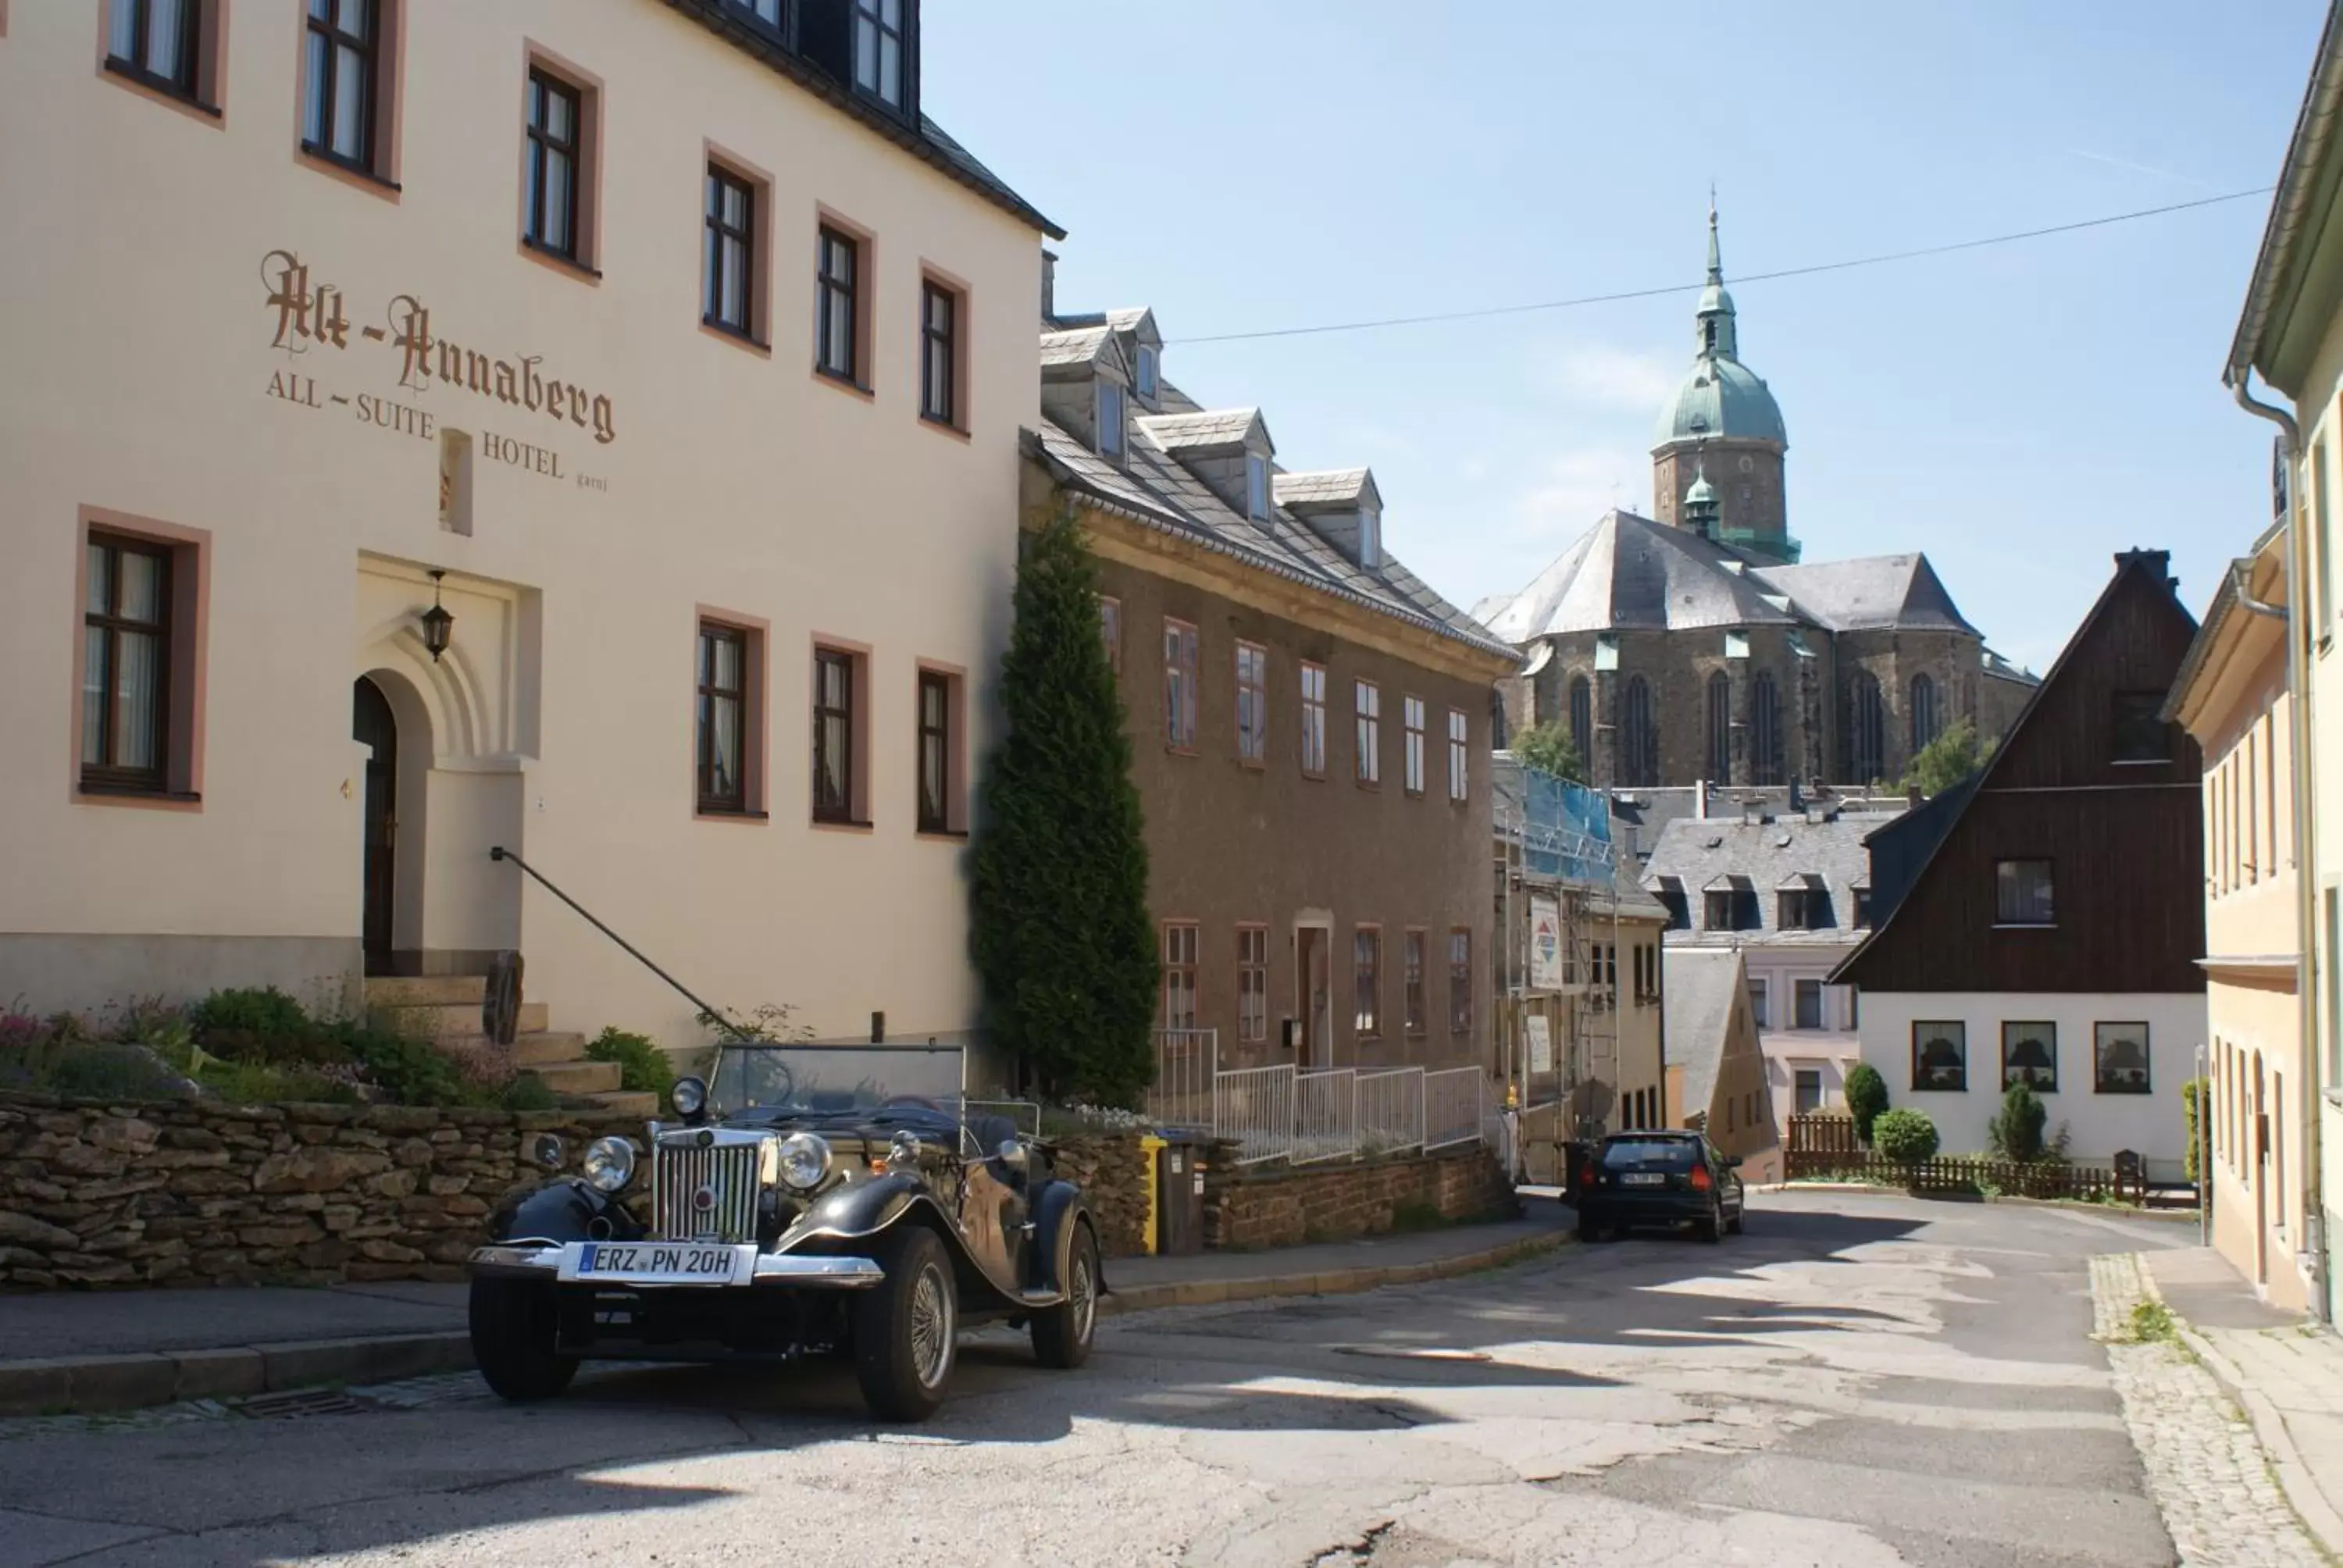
<point x="1654" y="1179"/>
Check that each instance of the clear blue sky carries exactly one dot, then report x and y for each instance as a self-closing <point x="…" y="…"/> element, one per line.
<point x="2018" y="412"/>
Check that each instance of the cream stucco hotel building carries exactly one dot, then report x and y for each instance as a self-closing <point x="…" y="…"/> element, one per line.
<point x="669" y="331"/>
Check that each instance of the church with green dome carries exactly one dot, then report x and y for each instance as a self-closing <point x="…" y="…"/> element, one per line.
<point x="1723" y="429"/>
<point x="1695" y="647"/>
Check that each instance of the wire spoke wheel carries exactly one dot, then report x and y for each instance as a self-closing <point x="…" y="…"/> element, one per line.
<point x="931" y="1327"/>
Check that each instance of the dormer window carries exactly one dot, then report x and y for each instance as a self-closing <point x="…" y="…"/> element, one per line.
<point x="1371" y="538"/>
<point x="1109" y="418"/>
<point x="1257" y="487"/>
<point x="1146" y="381"/>
<point x="879" y="49"/>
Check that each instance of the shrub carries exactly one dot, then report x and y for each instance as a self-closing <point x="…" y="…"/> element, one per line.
<point x="410" y="1071"/>
<point x="642" y="1065"/>
<point x="2015" y="1130"/>
<point x="263" y="1010"/>
<point x="2192" y="1103"/>
<point x="525" y="1093"/>
<point x="1866" y="1097"/>
<point x="1549" y="748"/>
<point x="112" y="1073"/>
<point x="1906" y="1137"/>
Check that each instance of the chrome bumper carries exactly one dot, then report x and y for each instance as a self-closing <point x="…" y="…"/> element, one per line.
<point x="543" y="1261"/>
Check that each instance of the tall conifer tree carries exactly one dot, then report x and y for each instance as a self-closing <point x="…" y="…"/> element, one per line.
<point x="1063" y="939"/>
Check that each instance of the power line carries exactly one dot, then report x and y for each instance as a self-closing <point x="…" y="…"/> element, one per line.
<point x="1747" y="277"/>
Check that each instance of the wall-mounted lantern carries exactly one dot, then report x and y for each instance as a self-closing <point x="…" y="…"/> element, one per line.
<point x="438" y="624"/>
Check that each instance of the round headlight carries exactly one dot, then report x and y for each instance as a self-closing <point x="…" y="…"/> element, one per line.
<point x="609" y="1163"/>
<point x="805" y="1161"/>
<point x="689" y="1095"/>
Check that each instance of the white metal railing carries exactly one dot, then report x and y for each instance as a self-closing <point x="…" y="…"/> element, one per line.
<point x="1252" y="1108"/>
<point x="1333" y="1113"/>
<point x="1187" y="1061"/>
<point x="1453" y="1106"/>
<point x="1390" y="1110"/>
<point x="1325" y="1115"/>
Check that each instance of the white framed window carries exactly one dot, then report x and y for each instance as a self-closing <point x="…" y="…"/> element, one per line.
<point x="1757" y="1000"/>
<point x="1371" y="538"/>
<point x="1179" y="974"/>
<point x="1369" y="707"/>
<point x="1412" y="720"/>
<point x="1253" y="702"/>
<point x="1313" y="720"/>
<point x="1252" y="982"/>
<point x="1147" y="370"/>
<point x="1180" y="685"/>
<point x="1256" y="487"/>
<point x="1109" y="418"/>
<point x="1460" y="756"/>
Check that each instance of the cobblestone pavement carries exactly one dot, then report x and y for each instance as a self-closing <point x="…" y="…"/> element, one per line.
<point x="2206" y="1469"/>
<point x="1861" y="1380"/>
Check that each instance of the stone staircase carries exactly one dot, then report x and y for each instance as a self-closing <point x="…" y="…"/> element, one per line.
<point x="447" y="1008"/>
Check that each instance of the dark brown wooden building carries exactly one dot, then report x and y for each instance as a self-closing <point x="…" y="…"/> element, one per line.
<point x="2042" y="921"/>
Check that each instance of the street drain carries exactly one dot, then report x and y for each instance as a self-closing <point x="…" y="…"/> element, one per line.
<point x="299" y="1404"/>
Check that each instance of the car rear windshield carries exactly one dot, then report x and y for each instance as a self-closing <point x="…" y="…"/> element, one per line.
<point x="1648" y="1153"/>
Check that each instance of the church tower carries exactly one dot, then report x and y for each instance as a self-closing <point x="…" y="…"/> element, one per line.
<point x="1722" y="432"/>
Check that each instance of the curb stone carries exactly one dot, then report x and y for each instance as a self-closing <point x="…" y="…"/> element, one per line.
<point x="96" y="1384"/>
<point x="2116" y="1210"/>
<point x="2294" y="1477"/>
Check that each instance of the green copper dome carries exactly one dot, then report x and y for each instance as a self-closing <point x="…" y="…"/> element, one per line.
<point x="1721" y="398"/>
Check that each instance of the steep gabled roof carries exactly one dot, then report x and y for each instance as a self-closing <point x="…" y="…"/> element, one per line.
<point x="1700" y="987"/>
<point x="1630" y="573"/>
<point x="1770" y="855"/>
<point x="1871" y="593"/>
<point x="1218" y="429"/>
<point x="2029" y="762"/>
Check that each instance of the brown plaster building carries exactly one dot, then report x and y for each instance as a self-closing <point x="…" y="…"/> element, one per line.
<point x="1696" y="648"/>
<point x="1311" y="724"/>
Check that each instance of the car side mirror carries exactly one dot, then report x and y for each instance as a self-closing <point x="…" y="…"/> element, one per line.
<point x="1732" y="1162"/>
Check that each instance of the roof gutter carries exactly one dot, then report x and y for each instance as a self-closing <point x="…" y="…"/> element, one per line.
<point x="2305" y="890"/>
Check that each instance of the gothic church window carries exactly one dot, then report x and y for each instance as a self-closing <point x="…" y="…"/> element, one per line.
<point x="1720" y="728"/>
<point x="1924" y="724"/>
<point x="1765" y="730"/>
<point x="1867" y="732"/>
<point x="1639" y="738"/>
<point x="1582" y="718"/>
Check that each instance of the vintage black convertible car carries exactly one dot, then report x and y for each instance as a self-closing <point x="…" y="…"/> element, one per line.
<point x="783" y="1219"/>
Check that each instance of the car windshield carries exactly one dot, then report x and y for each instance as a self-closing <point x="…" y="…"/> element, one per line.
<point x="1648" y="1153"/>
<point x="834" y="1079"/>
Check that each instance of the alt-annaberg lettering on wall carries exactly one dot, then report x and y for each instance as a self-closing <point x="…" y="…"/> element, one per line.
<point x="314" y="316"/>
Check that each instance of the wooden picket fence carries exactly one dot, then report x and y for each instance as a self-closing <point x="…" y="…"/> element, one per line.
<point x="1824" y="1147"/>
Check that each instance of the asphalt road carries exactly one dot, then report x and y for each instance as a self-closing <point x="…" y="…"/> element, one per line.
<point x="1859" y="1380"/>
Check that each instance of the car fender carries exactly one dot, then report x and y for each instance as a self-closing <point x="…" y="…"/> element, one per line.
<point x="1057" y="1208"/>
<point x="563" y="1209"/>
<point x="856" y="1211"/>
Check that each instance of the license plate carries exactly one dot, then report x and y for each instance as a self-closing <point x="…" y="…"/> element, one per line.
<point x="1641" y="1179"/>
<point x="658" y="1262"/>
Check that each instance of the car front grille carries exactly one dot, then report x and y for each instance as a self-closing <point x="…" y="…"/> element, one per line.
<point x="705" y="1194"/>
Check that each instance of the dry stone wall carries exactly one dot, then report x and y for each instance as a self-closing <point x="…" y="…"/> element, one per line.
<point x="1281" y="1208"/>
<point x="194" y="1194"/>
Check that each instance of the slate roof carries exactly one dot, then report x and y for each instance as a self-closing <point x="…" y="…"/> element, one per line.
<point x="1698" y="989"/>
<point x="1080" y="345"/>
<point x="1768" y="856"/>
<point x="1871" y="593"/>
<point x="1628" y="572"/>
<point x="1152" y="487"/>
<point x="1196" y="432"/>
<point x="1324" y="486"/>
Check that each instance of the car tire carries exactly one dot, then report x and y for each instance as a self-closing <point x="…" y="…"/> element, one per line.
<point x="907" y="1328"/>
<point x="512" y="1323"/>
<point x="1712" y="1228"/>
<point x="1733" y="1226"/>
<point x="1062" y="1334"/>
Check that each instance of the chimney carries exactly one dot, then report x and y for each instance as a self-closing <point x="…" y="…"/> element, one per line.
<point x="1049" y="284"/>
<point x="1700" y="798"/>
<point x="1753" y="812"/>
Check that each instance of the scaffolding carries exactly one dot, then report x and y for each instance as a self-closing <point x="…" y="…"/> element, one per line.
<point x="1556" y="884"/>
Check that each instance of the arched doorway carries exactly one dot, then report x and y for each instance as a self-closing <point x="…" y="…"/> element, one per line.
<point x="374" y="725"/>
